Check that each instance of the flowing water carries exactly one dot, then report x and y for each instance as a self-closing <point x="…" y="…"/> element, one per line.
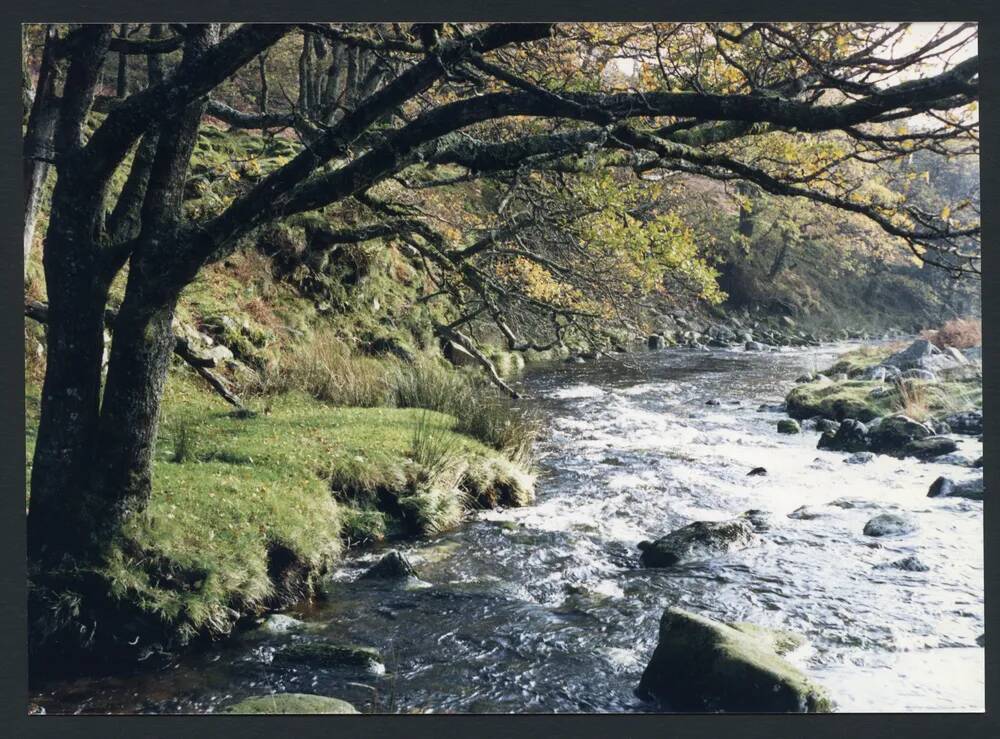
<point x="545" y="608"/>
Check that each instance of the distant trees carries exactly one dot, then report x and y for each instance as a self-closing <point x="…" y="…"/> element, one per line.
<point x="543" y="113"/>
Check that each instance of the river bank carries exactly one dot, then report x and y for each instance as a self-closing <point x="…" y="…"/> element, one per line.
<point x="546" y="608"/>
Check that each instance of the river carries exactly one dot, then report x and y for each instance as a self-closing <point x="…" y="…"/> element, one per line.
<point x="545" y="609"/>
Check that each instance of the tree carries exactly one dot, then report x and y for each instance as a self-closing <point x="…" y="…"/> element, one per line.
<point x="529" y="104"/>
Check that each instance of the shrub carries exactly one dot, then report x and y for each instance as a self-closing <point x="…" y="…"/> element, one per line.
<point x="961" y="333"/>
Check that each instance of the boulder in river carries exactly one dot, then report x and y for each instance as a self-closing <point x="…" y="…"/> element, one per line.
<point x="929" y="448"/>
<point x="860" y="458"/>
<point x="279" y="623"/>
<point x="291" y="703"/>
<point x="890" y="524"/>
<point x="757" y="472"/>
<point x="824" y="425"/>
<point x="754" y="346"/>
<point x="700" y="540"/>
<point x="945" y="487"/>
<point x="789" y="426"/>
<point x="655" y="341"/>
<point x="705" y="665"/>
<point x="392" y="566"/>
<point x="908" y="564"/>
<point x="851" y="436"/>
<point x="324" y="654"/>
<point x="894" y="433"/>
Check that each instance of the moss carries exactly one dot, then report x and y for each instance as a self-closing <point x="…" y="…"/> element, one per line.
<point x="857" y="360"/>
<point x="838" y="400"/>
<point x="246" y="512"/>
<point x="291" y="703"/>
<point x="700" y="664"/>
<point x="324" y="654"/>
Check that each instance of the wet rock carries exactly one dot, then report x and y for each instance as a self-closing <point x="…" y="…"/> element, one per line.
<point x="850" y="504"/>
<point x="713" y="401"/>
<point x="699" y="540"/>
<point x="771" y="408"/>
<point x="757" y="472"/>
<point x="291" y="703"/>
<point x="981" y="640"/>
<point x="890" y="524"/>
<point x="909" y="564"/>
<point x="323" y="654"/>
<point x="806" y="513"/>
<point x="825" y="425"/>
<point x="754" y="346"/>
<point x="789" y="426"/>
<point x="929" y="448"/>
<point x="860" y="458"/>
<point x="613" y="461"/>
<point x="279" y="623"/>
<point x="944" y="487"/>
<point x="894" y="433"/>
<point x="851" y="436"/>
<point x="392" y="566"/>
<point x="655" y="341"/>
<point x="970" y="423"/>
<point x="704" y="665"/>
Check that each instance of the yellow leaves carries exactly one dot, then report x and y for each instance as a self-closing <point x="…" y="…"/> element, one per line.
<point x="945" y="213"/>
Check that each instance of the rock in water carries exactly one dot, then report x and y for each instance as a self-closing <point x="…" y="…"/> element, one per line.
<point x="970" y="422"/>
<point x="931" y="447"/>
<point x="757" y="472"/>
<point x="291" y="703"/>
<point x="851" y="436"/>
<point x="890" y="524"/>
<point x="325" y="654"/>
<point x="826" y="424"/>
<point x="894" y="433"/>
<point x="279" y="623"/>
<point x="944" y="487"/>
<point x="909" y="564"/>
<point x="704" y="665"/>
<point x="393" y="566"/>
<point x="699" y="540"/>
<point x="860" y="458"/>
<point x="788" y="426"/>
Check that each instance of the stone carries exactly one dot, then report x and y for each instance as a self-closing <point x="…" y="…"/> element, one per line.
<point x="969" y="423"/>
<point x="392" y="566"/>
<point x="754" y="346"/>
<point x="655" y="341"/>
<point x="913" y="355"/>
<point x="919" y="374"/>
<point x="757" y="472"/>
<point x="860" y="458"/>
<point x="324" y="654"/>
<point x="825" y="425"/>
<point x="704" y="665"/>
<point x="806" y="513"/>
<point x="291" y="703"/>
<point x="788" y="426"/>
<point x="279" y="623"/>
<point x="699" y="540"/>
<point x="895" y="432"/>
<point x="931" y="447"/>
<point x="851" y="436"/>
<point x="945" y="487"/>
<point x="713" y="401"/>
<point x="890" y="524"/>
<point x="909" y="564"/>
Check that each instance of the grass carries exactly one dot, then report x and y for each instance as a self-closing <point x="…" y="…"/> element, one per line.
<point x="857" y="360"/>
<point x="303" y="481"/>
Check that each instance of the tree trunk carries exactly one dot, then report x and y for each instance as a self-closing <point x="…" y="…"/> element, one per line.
<point x="38" y="142"/>
<point x="130" y="412"/>
<point x="121" y="86"/>
<point x="263" y="93"/>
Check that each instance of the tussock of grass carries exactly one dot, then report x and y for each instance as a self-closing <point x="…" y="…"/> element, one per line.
<point x="857" y="360"/>
<point x="246" y="512"/>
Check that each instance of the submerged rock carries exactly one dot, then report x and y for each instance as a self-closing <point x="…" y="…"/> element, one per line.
<point x="700" y="540"/>
<point x="890" y="524"/>
<point x="392" y="566"/>
<point x="944" y="487"/>
<point x="327" y="654"/>
<point x="279" y="623"/>
<point x="789" y="426"/>
<point x="704" y="665"/>
<point x="291" y="703"/>
<point x="757" y="472"/>
<point x="806" y="513"/>
<point x="860" y="458"/>
<point x="909" y="564"/>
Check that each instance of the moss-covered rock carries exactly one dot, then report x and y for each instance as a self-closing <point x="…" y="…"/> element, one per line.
<point x="704" y="665"/>
<point x="291" y="703"/>
<point x="837" y="400"/>
<point x="789" y="426"/>
<point x="699" y="540"/>
<point x="324" y="654"/>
